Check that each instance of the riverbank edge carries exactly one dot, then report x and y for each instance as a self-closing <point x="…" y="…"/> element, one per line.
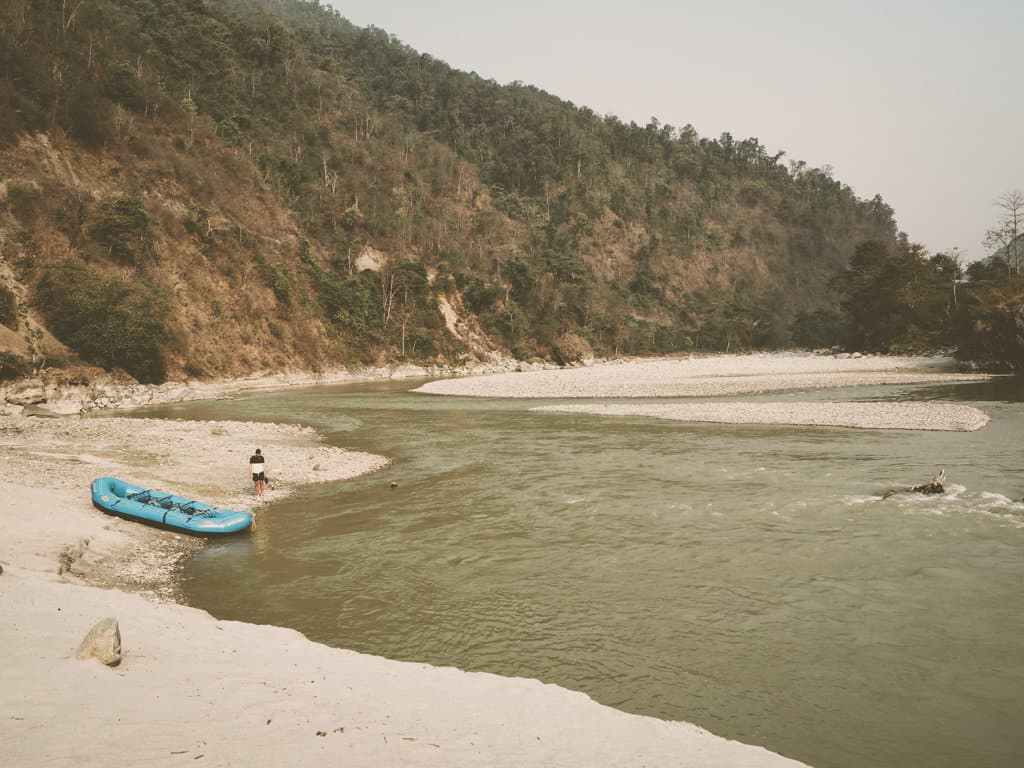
<point x="59" y="393"/>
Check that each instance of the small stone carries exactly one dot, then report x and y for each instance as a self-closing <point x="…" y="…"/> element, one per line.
<point x="102" y="642"/>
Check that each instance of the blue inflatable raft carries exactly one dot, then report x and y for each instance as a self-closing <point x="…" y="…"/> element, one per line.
<point x="117" y="497"/>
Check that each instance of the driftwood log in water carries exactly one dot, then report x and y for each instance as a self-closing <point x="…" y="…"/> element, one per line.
<point x="934" y="486"/>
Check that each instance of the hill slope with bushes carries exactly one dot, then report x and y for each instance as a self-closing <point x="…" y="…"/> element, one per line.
<point x="197" y="189"/>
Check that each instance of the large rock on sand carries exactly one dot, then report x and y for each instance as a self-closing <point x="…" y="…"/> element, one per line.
<point x="103" y="642"/>
<point x="28" y="392"/>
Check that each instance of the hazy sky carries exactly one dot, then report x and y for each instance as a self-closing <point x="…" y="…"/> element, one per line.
<point x="921" y="102"/>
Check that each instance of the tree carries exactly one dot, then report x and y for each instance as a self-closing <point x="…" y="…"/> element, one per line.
<point x="1007" y="234"/>
<point x="895" y="297"/>
<point x="108" y="320"/>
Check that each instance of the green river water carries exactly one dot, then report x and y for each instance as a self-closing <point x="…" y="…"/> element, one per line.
<point x="744" y="578"/>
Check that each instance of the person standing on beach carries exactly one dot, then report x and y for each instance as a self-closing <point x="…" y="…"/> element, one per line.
<point x="258" y="470"/>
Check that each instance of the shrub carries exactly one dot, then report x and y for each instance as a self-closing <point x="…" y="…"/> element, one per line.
<point x="123" y="87"/>
<point x="359" y="307"/>
<point x="8" y="308"/>
<point x="820" y="328"/>
<point x="570" y="348"/>
<point x="276" y="277"/>
<point x="106" y="320"/>
<point x="23" y="200"/>
<point x="86" y="115"/>
<point x="123" y="228"/>
<point x="990" y="332"/>
<point x="480" y="296"/>
<point x="13" y="366"/>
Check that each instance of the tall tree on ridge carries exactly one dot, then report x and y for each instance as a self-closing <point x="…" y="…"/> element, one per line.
<point x="1006" y="235"/>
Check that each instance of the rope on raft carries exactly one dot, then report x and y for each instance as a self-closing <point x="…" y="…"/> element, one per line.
<point x="146" y="497"/>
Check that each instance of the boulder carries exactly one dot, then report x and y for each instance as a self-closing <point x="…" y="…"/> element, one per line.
<point x="63" y="402"/>
<point x="103" y="642"/>
<point x="29" y="392"/>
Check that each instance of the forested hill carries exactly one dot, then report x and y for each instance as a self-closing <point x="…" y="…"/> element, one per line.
<point x="193" y="188"/>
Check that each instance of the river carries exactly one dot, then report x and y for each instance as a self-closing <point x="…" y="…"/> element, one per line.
<point x="745" y="578"/>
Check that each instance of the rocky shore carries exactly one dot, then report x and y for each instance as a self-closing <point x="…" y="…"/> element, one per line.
<point x="60" y="393"/>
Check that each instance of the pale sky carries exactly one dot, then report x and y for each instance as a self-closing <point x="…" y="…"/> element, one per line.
<point x="921" y="102"/>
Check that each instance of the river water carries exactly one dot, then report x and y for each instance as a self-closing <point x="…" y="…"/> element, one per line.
<point x="745" y="578"/>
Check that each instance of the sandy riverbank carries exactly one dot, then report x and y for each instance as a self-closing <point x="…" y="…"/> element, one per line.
<point x="193" y="688"/>
<point x="715" y="376"/>
<point x="50" y="462"/>
<point x="734" y="375"/>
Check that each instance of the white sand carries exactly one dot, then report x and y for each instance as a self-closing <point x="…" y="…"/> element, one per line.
<point x="730" y="375"/>
<point x="717" y="376"/>
<point x="192" y="690"/>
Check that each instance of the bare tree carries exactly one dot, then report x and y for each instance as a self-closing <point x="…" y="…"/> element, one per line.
<point x="1007" y="234"/>
<point x="388" y="293"/>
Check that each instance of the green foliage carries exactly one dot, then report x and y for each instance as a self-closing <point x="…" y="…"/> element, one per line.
<point x="622" y="204"/>
<point x="107" y="321"/>
<point x="13" y="366"/>
<point x="233" y="129"/>
<point x="350" y="218"/>
<point x="8" y="308"/>
<point x="642" y="337"/>
<point x="359" y="307"/>
<point x="288" y="175"/>
<point x="277" y="279"/>
<point x="894" y="298"/>
<point x="122" y="85"/>
<point x="123" y="229"/>
<point x="327" y="285"/>
<point x="521" y="280"/>
<point x="480" y="296"/>
<point x="644" y="284"/>
<point x="820" y="328"/>
<point x="990" y="329"/>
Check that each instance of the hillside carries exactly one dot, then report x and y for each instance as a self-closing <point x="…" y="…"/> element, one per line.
<point x="192" y="189"/>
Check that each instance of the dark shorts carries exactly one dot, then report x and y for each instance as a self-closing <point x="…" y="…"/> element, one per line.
<point x="258" y="476"/>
